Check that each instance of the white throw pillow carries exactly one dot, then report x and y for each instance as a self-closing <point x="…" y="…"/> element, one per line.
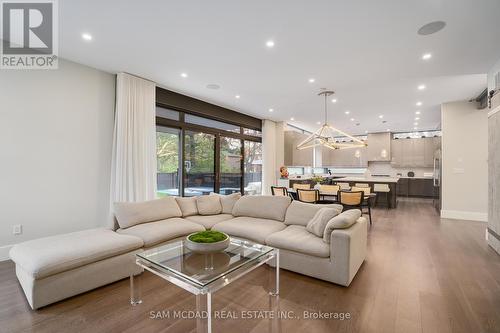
<point x="341" y="221"/>
<point x="187" y="205"/>
<point x="228" y="201"/>
<point x="318" y="223"/>
<point x="208" y="204"/>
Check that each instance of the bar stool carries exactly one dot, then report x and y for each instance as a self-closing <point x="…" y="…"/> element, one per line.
<point x="362" y="185"/>
<point x="382" y="188"/>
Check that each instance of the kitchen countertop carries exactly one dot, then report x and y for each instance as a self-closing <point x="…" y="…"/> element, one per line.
<point x="370" y="179"/>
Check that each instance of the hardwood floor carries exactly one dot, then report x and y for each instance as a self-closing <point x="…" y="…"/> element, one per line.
<point x="422" y="274"/>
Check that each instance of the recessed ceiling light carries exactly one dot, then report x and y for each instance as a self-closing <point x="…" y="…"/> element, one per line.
<point x="352" y="119"/>
<point x="184" y="75"/>
<point x="271" y="109"/>
<point x="347" y="112"/>
<point x="318" y="123"/>
<point x="334" y="100"/>
<point x="416" y="124"/>
<point x="418" y="104"/>
<point x="421" y="87"/>
<point x="87" y="36"/>
<point x="417" y="112"/>
<point x="270" y="43"/>
<point x="431" y="28"/>
<point x="388" y="130"/>
<point x="237" y="96"/>
<point x="381" y="116"/>
<point x="415" y="128"/>
<point x="417" y="118"/>
<point x="311" y="80"/>
<point x="292" y="118"/>
<point x="426" y="56"/>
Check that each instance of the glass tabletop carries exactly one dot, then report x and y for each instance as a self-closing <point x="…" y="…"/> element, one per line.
<point x="203" y="269"/>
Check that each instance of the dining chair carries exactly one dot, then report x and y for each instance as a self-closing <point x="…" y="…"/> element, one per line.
<point x="279" y="191"/>
<point x="330" y="189"/>
<point x="379" y="189"/>
<point x="361" y="185"/>
<point x="344" y="186"/>
<point x="297" y="186"/>
<point x="363" y="204"/>
<point x="310" y="196"/>
<point x="350" y="199"/>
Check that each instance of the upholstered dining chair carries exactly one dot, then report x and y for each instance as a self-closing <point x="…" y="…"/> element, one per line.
<point x="361" y="185"/>
<point x="310" y="196"/>
<point x="279" y="191"/>
<point x="297" y="186"/>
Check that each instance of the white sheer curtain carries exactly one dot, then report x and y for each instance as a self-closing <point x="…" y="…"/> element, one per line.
<point x="269" y="168"/>
<point x="133" y="174"/>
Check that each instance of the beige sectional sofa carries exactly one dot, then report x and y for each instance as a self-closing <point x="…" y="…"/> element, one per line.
<point x="54" y="268"/>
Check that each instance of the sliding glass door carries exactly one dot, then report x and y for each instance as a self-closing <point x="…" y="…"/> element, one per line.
<point x="199" y="163"/>
<point x="168" y="163"/>
<point x="230" y="165"/>
<point x="253" y="167"/>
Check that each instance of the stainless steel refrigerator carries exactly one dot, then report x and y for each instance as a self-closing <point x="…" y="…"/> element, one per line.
<point x="437" y="180"/>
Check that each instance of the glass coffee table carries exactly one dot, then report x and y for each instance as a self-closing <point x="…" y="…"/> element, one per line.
<point x="203" y="274"/>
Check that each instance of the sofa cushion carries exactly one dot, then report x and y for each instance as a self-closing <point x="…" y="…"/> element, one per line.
<point x="208" y="204"/>
<point x="296" y="238"/>
<point x="187" y="205"/>
<point x="342" y="221"/>
<point x="262" y="206"/>
<point x="320" y="220"/>
<point x="55" y="254"/>
<point x="250" y="228"/>
<point x="228" y="201"/>
<point x="300" y="213"/>
<point x="153" y="233"/>
<point x="208" y="221"/>
<point x="132" y="213"/>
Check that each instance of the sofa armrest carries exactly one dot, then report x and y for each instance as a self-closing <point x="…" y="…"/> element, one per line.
<point x="348" y="250"/>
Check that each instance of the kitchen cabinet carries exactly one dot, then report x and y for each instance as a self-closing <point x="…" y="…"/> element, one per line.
<point x="414" y="152"/>
<point x="416" y="187"/>
<point x="343" y="158"/>
<point x="379" y="147"/>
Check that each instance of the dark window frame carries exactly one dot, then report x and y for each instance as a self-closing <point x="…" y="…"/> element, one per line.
<point x="183" y="127"/>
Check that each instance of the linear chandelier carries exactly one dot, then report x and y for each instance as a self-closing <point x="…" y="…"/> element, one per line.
<point x="325" y="135"/>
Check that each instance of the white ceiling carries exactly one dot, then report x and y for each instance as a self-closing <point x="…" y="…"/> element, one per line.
<point x="367" y="51"/>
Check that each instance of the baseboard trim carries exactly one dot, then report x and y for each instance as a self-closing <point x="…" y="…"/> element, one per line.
<point x="463" y="215"/>
<point x="4" y="252"/>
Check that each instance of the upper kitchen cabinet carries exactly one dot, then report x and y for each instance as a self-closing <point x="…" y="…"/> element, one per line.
<point x="294" y="156"/>
<point x="344" y="158"/>
<point x="414" y="152"/>
<point x="379" y="147"/>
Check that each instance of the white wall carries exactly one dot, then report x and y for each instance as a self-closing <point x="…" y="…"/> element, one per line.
<point x="56" y="130"/>
<point x="491" y="76"/>
<point x="465" y="161"/>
